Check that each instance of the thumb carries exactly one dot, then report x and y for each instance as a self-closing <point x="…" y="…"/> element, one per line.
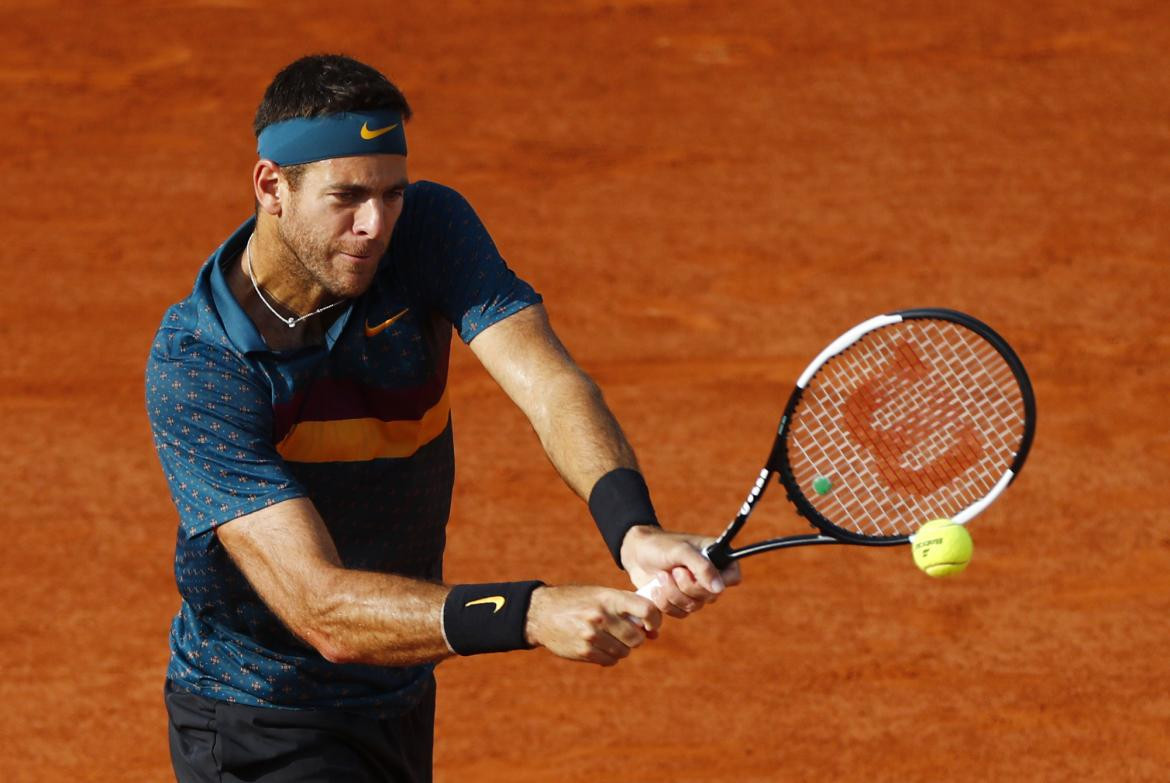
<point x="641" y="610"/>
<point x="702" y="569"/>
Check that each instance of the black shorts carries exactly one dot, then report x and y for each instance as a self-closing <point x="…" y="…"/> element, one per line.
<point x="215" y="742"/>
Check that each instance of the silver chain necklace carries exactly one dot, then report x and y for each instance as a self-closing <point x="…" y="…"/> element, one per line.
<point x="288" y="320"/>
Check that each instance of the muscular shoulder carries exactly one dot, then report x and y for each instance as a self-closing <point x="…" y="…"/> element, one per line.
<point x="431" y="211"/>
<point x="427" y="195"/>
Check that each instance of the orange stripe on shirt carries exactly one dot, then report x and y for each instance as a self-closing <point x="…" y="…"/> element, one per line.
<point x="359" y="440"/>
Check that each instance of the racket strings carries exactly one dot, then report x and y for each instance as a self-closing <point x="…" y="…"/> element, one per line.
<point x="916" y="420"/>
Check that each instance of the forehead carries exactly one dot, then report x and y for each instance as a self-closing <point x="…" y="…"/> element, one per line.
<point x="369" y="171"/>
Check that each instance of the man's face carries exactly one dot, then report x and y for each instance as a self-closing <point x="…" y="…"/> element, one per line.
<point x="337" y="223"/>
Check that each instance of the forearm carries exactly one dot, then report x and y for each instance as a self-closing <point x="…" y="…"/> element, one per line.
<point x="584" y="442"/>
<point x="579" y="433"/>
<point x="349" y="616"/>
<point x="374" y="618"/>
<point x="579" y="622"/>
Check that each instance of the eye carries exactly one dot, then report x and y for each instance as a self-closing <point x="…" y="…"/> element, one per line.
<point x="344" y="197"/>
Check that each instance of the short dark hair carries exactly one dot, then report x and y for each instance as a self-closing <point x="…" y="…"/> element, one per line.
<point x="321" y="84"/>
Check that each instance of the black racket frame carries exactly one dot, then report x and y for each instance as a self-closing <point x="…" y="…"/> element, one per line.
<point x="722" y="554"/>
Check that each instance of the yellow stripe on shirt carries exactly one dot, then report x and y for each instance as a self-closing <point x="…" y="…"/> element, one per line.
<point x="359" y="440"/>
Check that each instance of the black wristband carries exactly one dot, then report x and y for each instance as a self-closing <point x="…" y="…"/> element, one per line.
<point x="487" y="618"/>
<point x="619" y="501"/>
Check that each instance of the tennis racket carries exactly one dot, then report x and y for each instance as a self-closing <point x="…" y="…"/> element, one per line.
<point x="907" y="417"/>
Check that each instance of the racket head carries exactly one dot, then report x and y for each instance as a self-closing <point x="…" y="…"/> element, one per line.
<point x="910" y="416"/>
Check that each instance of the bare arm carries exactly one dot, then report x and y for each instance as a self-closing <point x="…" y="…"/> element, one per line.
<point x="565" y="407"/>
<point x="349" y="616"/>
<point x="584" y="442"/>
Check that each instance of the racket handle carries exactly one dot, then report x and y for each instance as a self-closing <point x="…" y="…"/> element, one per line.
<point x="647" y="589"/>
<point x="719" y="554"/>
<point x="644" y="591"/>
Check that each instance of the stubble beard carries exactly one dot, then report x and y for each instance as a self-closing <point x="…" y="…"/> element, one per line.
<point x="307" y="260"/>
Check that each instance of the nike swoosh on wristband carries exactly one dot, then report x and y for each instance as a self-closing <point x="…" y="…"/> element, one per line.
<point x="368" y="134"/>
<point x="373" y="331"/>
<point x="496" y="600"/>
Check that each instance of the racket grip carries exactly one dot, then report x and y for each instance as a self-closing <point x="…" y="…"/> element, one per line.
<point x="644" y="591"/>
<point x="647" y="589"/>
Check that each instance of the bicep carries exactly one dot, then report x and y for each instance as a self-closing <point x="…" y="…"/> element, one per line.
<point x="529" y="362"/>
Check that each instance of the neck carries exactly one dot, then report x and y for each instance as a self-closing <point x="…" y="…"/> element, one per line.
<point x="293" y="326"/>
<point x="280" y="276"/>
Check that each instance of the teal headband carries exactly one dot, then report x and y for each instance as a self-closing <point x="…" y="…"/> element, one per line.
<point x="305" y="140"/>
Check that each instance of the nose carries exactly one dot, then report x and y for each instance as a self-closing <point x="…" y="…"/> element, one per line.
<point x="370" y="219"/>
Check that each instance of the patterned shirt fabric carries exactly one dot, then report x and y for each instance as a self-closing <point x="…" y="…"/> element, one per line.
<point x="360" y="425"/>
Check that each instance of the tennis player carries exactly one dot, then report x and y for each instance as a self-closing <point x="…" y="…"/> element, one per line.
<point x="299" y="406"/>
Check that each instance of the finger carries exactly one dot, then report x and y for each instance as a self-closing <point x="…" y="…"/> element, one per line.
<point x="641" y="609"/>
<point x="647" y="588"/>
<point x="705" y="574"/>
<point x="654" y="589"/>
<point x="692" y="589"/>
<point x="731" y="575"/>
<point x="627" y="630"/>
<point x="678" y="601"/>
<point x="609" y="647"/>
<point x="634" y="621"/>
<point x="598" y="656"/>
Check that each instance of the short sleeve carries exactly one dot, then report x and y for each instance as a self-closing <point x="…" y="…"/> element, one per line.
<point x="211" y="418"/>
<point x="457" y="263"/>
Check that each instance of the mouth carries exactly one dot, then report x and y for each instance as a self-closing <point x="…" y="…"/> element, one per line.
<point x="361" y="257"/>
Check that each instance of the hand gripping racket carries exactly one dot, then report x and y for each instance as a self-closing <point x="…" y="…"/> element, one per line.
<point x="907" y="417"/>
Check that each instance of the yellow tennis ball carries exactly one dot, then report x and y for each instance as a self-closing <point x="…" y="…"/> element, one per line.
<point x="942" y="548"/>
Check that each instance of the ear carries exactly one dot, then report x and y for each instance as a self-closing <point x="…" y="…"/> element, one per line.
<point x="268" y="186"/>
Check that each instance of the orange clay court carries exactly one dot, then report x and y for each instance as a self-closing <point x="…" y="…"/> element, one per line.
<point x="705" y="193"/>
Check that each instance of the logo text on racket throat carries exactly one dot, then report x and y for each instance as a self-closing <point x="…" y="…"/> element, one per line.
<point x="497" y="601"/>
<point x="369" y="134"/>
<point x="373" y="331"/>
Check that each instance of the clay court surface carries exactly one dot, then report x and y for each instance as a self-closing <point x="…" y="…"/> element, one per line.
<point x="705" y="193"/>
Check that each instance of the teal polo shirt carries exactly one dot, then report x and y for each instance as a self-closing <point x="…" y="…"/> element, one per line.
<point x="360" y="425"/>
